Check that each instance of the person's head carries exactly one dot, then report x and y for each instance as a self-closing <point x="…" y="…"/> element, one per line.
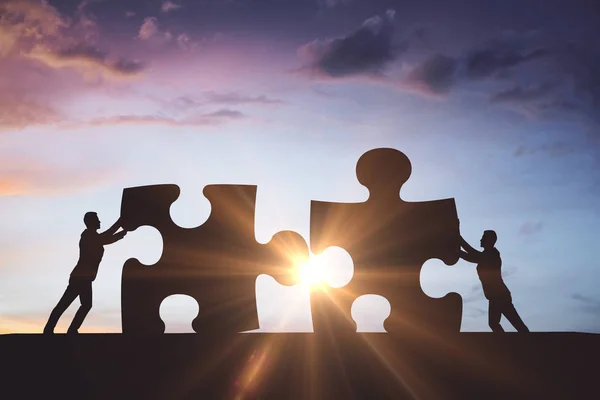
<point x="488" y="240"/>
<point x="91" y="221"/>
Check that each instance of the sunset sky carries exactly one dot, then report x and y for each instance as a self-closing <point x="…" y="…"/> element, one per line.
<point x="497" y="105"/>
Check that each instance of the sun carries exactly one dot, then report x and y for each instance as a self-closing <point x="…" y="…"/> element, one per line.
<point x="310" y="273"/>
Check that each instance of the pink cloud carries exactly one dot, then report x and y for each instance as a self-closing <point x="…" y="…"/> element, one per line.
<point x="198" y="119"/>
<point x="148" y="29"/>
<point x="17" y="113"/>
<point x="169" y="6"/>
<point x="91" y="62"/>
<point x="36" y="31"/>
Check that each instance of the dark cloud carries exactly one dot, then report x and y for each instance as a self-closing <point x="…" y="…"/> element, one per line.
<point x="531" y="228"/>
<point x="435" y="75"/>
<point x="491" y="61"/>
<point x="507" y="50"/>
<point x="581" y="62"/>
<point x="520" y="94"/>
<point x="554" y="149"/>
<point x="475" y="294"/>
<point x="536" y="100"/>
<point x="128" y="67"/>
<point x="367" y="50"/>
<point x="566" y="81"/>
<point x="588" y="304"/>
<point x="546" y="76"/>
<point x="225" y="113"/>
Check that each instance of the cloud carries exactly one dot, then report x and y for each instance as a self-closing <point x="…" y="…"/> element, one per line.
<point x="531" y="228"/>
<point x="523" y="94"/>
<point x="30" y="95"/>
<point x="183" y="104"/>
<point x="555" y="149"/>
<point x="89" y="60"/>
<point x="129" y="14"/>
<point x="332" y="3"/>
<point x="168" y="6"/>
<point x="545" y="75"/>
<point x="580" y="62"/>
<point x="500" y="54"/>
<point x="23" y="22"/>
<point x="198" y="119"/>
<point x="36" y="31"/>
<point x="475" y="294"/>
<point x="367" y="50"/>
<point x="225" y="113"/>
<point x="18" y="112"/>
<point x="186" y="43"/>
<point x="233" y="98"/>
<point x="148" y="29"/>
<point x="434" y="76"/>
<point x="535" y="100"/>
<point x="588" y="304"/>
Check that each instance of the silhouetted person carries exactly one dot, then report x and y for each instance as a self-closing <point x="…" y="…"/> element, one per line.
<point x="91" y="250"/>
<point x="489" y="265"/>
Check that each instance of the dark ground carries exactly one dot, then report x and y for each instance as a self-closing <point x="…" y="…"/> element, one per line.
<point x="301" y="366"/>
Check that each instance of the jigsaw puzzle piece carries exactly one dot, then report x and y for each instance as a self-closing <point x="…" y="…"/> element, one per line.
<point x="216" y="263"/>
<point x="389" y="240"/>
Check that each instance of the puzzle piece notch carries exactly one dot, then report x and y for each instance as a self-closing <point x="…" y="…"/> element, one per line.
<point x="389" y="240"/>
<point x="216" y="263"/>
<point x="370" y="311"/>
<point x="177" y="313"/>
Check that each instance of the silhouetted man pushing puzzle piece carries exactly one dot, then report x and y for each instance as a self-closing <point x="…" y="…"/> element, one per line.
<point x="91" y="250"/>
<point x="489" y="266"/>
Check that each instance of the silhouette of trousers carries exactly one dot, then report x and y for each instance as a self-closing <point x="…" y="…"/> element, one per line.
<point x="81" y="288"/>
<point x="499" y="307"/>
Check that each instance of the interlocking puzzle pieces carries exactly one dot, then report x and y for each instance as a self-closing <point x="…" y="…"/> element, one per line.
<point x="216" y="263"/>
<point x="388" y="239"/>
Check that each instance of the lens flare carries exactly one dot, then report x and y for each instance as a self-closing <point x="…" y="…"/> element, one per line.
<point x="310" y="273"/>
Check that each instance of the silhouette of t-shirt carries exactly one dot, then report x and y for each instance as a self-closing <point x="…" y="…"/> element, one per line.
<point x="91" y="250"/>
<point x="489" y="269"/>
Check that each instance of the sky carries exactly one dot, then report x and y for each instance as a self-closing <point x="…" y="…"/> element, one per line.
<point x="496" y="104"/>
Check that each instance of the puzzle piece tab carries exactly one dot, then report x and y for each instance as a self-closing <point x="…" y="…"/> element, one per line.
<point x="216" y="263"/>
<point x="389" y="239"/>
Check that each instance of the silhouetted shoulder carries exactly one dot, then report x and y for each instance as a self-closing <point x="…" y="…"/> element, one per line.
<point x="88" y="235"/>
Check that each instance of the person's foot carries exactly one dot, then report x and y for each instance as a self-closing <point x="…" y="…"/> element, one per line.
<point x="72" y="332"/>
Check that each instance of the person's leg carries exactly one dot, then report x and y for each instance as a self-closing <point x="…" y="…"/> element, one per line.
<point x="513" y="317"/>
<point x="494" y="316"/>
<point x="65" y="301"/>
<point x="85" y="295"/>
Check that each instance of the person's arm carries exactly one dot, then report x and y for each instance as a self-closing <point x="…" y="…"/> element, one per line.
<point x="470" y="257"/>
<point x="115" y="238"/>
<point x="468" y="247"/>
<point x="107" y="236"/>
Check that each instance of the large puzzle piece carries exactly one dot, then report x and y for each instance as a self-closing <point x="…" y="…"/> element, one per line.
<point x="389" y="240"/>
<point x="216" y="263"/>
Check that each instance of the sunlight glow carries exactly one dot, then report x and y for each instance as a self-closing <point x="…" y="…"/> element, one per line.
<point x="310" y="273"/>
